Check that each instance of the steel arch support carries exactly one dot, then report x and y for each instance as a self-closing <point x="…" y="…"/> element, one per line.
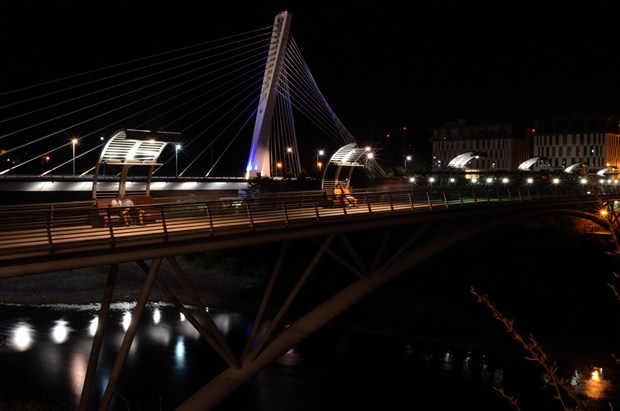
<point x="232" y="378"/>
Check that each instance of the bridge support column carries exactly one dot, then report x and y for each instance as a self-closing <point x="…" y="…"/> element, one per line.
<point x="130" y="334"/>
<point x="104" y="314"/>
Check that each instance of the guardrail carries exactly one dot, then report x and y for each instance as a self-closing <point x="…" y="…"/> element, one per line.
<point x="39" y="229"/>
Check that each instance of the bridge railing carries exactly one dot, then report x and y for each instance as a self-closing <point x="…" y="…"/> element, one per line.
<point x="46" y="229"/>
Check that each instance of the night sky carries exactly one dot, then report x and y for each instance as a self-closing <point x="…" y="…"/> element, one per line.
<point x="380" y="64"/>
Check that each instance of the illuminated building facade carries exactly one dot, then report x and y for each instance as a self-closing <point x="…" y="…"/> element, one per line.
<point x="497" y="146"/>
<point x="591" y="140"/>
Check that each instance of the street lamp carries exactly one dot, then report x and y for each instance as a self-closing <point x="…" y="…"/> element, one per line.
<point x="74" y="142"/>
<point x="321" y="153"/>
<point x="177" y="148"/>
<point x="279" y="166"/>
<point x="408" y="158"/>
<point x="289" y="151"/>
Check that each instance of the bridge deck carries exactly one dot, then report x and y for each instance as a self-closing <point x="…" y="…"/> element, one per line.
<point x="49" y="231"/>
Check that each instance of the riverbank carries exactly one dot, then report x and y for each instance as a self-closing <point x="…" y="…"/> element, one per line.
<point x="217" y="288"/>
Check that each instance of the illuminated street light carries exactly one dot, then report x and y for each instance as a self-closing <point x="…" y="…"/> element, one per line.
<point x="177" y="148"/>
<point x="74" y="142"/>
<point x="584" y="181"/>
<point x="279" y="166"/>
<point x="530" y="180"/>
<point x="408" y="158"/>
<point x="556" y="181"/>
<point x="370" y="156"/>
<point x="319" y="164"/>
<point x="505" y="180"/>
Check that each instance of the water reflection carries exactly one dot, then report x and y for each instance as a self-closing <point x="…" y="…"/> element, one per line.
<point x="156" y="315"/>
<point x="591" y="381"/>
<point x="47" y="348"/>
<point x="77" y="372"/>
<point x="179" y="354"/>
<point x="60" y="332"/>
<point x="22" y="336"/>
<point x="126" y="320"/>
<point x="92" y="328"/>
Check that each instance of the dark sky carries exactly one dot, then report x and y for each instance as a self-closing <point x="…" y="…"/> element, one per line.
<point x="380" y="64"/>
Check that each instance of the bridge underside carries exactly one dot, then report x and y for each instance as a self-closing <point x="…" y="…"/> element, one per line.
<point x="319" y="264"/>
<point x="313" y="280"/>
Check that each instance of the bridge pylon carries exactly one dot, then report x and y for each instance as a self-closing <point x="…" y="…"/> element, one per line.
<point x="259" y="161"/>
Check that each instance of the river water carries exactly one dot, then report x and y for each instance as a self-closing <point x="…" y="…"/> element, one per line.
<point x="45" y="355"/>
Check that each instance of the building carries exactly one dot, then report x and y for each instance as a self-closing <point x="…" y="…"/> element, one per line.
<point x="495" y="146"/>
<point x="593" y="141"/>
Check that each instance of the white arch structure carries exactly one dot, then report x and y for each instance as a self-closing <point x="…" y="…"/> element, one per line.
<point x="347" y="158"/>
<point x="606" y="170"/>
<point x="573" y="167"/>
<point x="128" y="148"/>
<point x="528" y="163"/>
<point x="461" y="160"/>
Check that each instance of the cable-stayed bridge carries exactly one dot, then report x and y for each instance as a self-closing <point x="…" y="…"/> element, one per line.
<point x="240" y="106"/>
<point x="183" y="97"/>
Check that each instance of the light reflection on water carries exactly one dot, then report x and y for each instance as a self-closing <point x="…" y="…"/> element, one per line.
<point x="48" y="347"/>
<point x="592" y="382"/>
<point x="21" y="336"/>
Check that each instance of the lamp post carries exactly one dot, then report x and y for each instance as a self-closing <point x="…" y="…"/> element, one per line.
<point x="408" y="158"/>
<point x="279" y="166"/>
<point x="319" y="164"/>
<point x="289" y="160"/>
<point x="74" y="143"/>
<point x="177" y="148"/>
